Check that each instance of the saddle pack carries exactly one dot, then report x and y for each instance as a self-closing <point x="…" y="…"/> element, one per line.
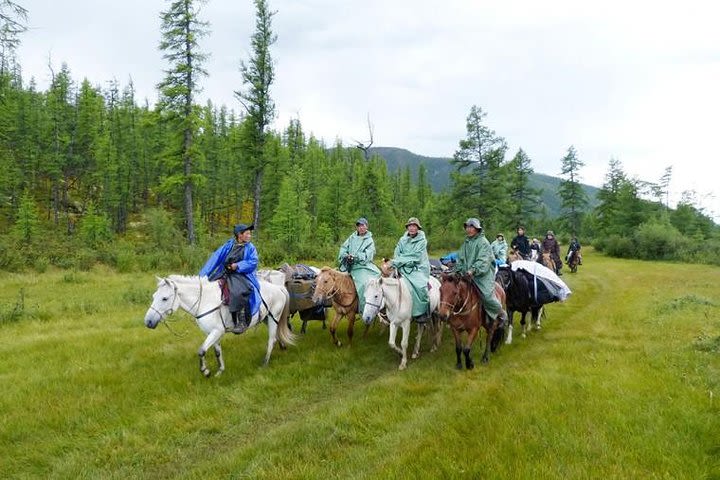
<point x="300" y="281"/>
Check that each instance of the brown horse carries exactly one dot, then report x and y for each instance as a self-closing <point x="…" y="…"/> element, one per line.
<point x="340" y="289"/>
<point x="547" y="260"/>
<point x="514" y="255"/>
<point x="461" y="305"/>
<point x="573" y="261"/>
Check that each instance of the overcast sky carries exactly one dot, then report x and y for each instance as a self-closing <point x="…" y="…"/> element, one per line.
<point x="637" y="81"/>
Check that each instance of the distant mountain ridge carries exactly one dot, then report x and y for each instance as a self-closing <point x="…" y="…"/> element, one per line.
<point x="439" y="169"/>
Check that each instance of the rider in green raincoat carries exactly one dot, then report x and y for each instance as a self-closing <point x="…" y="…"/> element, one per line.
<point x="356" y="258"/>
<point x="476" y="258"/>
<point x="411" y="261"/>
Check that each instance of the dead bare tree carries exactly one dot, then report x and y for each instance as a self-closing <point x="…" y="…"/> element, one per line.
<point x="362" y="146"/>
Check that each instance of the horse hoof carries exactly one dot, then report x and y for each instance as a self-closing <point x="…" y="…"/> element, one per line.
<point x="485" y="360"/>
<point x="458" y="366"/>
<point x="206" y="373"/>
<point x="402" y="366"/>
<point x="338" y="343"/>
<point x="415" y="355"/>
<point x="218" y="373"/>
<point x="470" y="366"/>
<point x="523" y="335"/>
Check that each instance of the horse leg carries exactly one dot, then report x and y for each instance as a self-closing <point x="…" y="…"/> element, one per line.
<point x="210" y="341"/>
<point x="490" y="332"/>
<point x="437" y="334"/>
<point x="508" y="340"/>
<point x="536" y="317"/>
<point x="404" y="343"/>
<point x="219" y="358"/>
<point x="524" y="324"/>
<point x="272" y="338"/>
<point x="351" y="327"/>
<point x="420" y="330"/>
<point x="458" y="349"/>
<point x="472" y="335"/>
<point x="391" y="339"/>
<point x="333" y="328"/>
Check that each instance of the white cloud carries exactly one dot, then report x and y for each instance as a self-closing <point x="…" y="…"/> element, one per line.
<point x="631" y="80"/>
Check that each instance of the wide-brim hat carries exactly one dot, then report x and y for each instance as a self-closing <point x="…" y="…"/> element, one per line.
<point x="413" y="220"/>
<point x="500" y="235"/>
<point x="241" y="227"/>
<point x="550" y="232"/>
<point x="361" y="221"/>
<point x="472" y="222"/>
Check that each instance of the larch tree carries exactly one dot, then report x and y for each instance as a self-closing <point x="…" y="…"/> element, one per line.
<point x="258" y="74"/>
<point x="182" y="29"/>
<point x="573" y="198"/>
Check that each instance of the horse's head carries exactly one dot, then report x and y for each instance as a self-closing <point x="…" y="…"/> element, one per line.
<point x="374" y="299"/>
<point x="450" y="290"/>
<point x="504" y="277"/>
<point x="165" y="302"/>
<point x="325" y="285"/>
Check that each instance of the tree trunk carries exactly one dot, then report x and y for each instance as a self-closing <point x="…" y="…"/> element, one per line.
<point x="256" y="200"/>
<point x="188" y="200"/>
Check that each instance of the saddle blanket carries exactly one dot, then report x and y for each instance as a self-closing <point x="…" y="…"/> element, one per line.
<point x="552" y="281"/>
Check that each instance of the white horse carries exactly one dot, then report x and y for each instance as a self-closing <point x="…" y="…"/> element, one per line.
<point x="395" y="293"/>
<point x="201" y="298"/>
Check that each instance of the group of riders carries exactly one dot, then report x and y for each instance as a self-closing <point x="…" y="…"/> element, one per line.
<point x="236" y="263"/>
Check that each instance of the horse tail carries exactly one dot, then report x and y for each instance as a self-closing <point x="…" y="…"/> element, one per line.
<point x="497" y="338"/>
<point x="283" y="328"/>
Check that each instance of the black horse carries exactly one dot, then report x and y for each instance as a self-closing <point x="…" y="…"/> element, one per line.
<point x="524" y="293"/>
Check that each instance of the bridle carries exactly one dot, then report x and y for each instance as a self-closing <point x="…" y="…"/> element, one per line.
<point x="334" y="291"/>
<point x="460" y="311"/>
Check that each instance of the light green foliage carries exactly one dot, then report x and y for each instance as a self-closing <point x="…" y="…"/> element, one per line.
<point x="95" y="228"/>
<point x="621" y="382"/>
<point x="290" y="226"/>
<point x="27" y="222"/>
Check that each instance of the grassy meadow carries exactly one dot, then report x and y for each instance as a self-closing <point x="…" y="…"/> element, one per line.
<point x="623" y="381"/>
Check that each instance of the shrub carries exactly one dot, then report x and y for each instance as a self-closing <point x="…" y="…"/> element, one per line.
<point x="658" y="241"/>
<point x="617" y="246"/>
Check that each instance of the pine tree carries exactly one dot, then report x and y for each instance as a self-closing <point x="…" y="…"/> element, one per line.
<point x="290" y="225"/>
<point x="181" y="29"/>
<point x="13" y="20"/>
<point x="573" y="197"/>
<point x="481" y="192"/>
<point x="258" y="75"/>
<point x="27" y="222"/>
<point x="525" y="199"/>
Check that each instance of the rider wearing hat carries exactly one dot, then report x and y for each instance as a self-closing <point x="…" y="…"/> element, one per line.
<point x="411" y="261"/>
<point x="499" y="249"/>
<point x="476" y="259"/>
<point x="237" y="260"/>
<point x="550" y="245"/>
<point x="356" y="258"/>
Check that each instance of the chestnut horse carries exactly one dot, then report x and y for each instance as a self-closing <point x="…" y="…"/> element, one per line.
<point x="547" y="260"/>
<point x="461" y="305"/>
<point x="340" y="289"/>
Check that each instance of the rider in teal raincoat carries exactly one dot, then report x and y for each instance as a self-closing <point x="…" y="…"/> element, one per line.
<point x="356" y="258"/>
<point x="412" y="262"/>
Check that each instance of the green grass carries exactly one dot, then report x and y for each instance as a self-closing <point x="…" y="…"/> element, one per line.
<point x="622" y="382"/>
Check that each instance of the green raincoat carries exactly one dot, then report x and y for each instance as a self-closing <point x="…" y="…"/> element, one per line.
<point x="499" y="249"/>
<point x="411" y="260"/>
<point x="362" y="248"/>
<point x="476" y="254"/>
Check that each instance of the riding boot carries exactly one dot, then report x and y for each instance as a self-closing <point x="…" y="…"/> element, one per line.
<point x="239" y="325"/>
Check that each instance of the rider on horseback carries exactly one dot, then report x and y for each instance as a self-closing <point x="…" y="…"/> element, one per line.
<point x="476" y="259"/>
<point x="574" y="248"/>
<point x="550" y="245"/>
<point x="521" y="243"/>
<point x="411" y="261"/>
<point x="236" y="261"/>
<point x="356" y="258"/>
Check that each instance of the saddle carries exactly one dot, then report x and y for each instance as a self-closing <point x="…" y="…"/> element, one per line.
<point x="224" y="291"/>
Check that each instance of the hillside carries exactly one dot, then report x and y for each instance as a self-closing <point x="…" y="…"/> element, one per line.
<point x="439" y="170"/>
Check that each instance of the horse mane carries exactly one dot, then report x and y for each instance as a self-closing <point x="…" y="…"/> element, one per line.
<point x="188" y="279"/>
